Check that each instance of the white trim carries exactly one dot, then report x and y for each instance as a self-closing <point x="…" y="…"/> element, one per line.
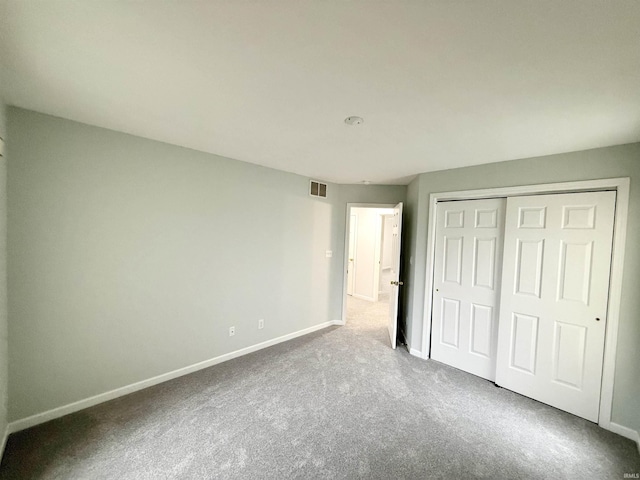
<point x="415" y="352"/>
<point x="621" y="185"/>
<point x="428" y="280"/>
<point x="39" y="418"/>
<point x="346" y="249"/>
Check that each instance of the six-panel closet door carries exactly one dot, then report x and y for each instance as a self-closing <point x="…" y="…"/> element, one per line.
<point x="466" y="290"/>
<point x="553" y="306"/>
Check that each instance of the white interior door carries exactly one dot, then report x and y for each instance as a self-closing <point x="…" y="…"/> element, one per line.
<point x="553" y="311"/>
<point x="351" y="265"/>
<point x="366" y="268"/>
<point x="466" y="285"/>
<point x="377" y="257"/>
<point x="396" y="238"/>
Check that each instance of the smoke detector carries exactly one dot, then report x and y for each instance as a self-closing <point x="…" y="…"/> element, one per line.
<point x="354" y="120"/>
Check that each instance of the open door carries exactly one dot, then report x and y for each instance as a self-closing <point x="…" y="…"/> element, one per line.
<point x="395" y="273"/>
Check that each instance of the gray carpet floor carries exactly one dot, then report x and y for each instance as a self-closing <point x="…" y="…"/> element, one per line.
<point x="338" y="403"/>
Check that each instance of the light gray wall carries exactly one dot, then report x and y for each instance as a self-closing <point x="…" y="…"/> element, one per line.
<point x="3" y="114"/>
<point x="129" y="258"/>
<point x="619" y="161"/>
<point x="4" y="355"/>
<point x="384" y="194"/>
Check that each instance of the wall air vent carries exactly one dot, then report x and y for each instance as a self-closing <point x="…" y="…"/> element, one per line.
<point x="317" y="189"/>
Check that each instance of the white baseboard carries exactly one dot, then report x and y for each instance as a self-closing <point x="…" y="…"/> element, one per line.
<point x="58" y="412"/>
<point x="338" y="322"/>
<point x="415" y="352"/>
<point x="626" y="432"/>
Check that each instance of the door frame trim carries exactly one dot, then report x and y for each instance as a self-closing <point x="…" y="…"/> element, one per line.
<point x="345" y="262"/>
<point x="621" y="186"/>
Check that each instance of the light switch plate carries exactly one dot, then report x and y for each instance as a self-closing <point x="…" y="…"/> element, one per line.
<point x="328" y="253"/>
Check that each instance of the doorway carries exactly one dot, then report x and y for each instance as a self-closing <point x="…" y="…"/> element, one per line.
<point x="372" y="261"/>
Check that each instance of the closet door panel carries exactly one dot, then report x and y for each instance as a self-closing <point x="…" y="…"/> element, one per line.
<point x="553" y="306"/>
<point x="467" y="284"/>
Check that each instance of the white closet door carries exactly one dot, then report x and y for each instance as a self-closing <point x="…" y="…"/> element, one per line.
<point x="467" y="284"/>
<point x="553" y="308"/>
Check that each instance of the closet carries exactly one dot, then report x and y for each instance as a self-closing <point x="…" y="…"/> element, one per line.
<point x="520" y="293"/>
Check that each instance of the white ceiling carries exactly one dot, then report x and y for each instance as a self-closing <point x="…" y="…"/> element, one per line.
<point x="440" y="84"/>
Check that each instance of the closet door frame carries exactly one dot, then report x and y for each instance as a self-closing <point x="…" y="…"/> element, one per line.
<point x="621" y="186"/>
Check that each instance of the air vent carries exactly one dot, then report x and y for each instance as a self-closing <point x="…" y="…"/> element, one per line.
<point x="317" y="189"/>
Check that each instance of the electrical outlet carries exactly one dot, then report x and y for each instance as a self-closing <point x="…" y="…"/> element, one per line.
<point x="232" y="331"/>
<point x="261" y="324"/>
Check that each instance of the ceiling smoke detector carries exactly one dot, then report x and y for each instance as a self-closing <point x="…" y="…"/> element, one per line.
<point x="354" y="120"/>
